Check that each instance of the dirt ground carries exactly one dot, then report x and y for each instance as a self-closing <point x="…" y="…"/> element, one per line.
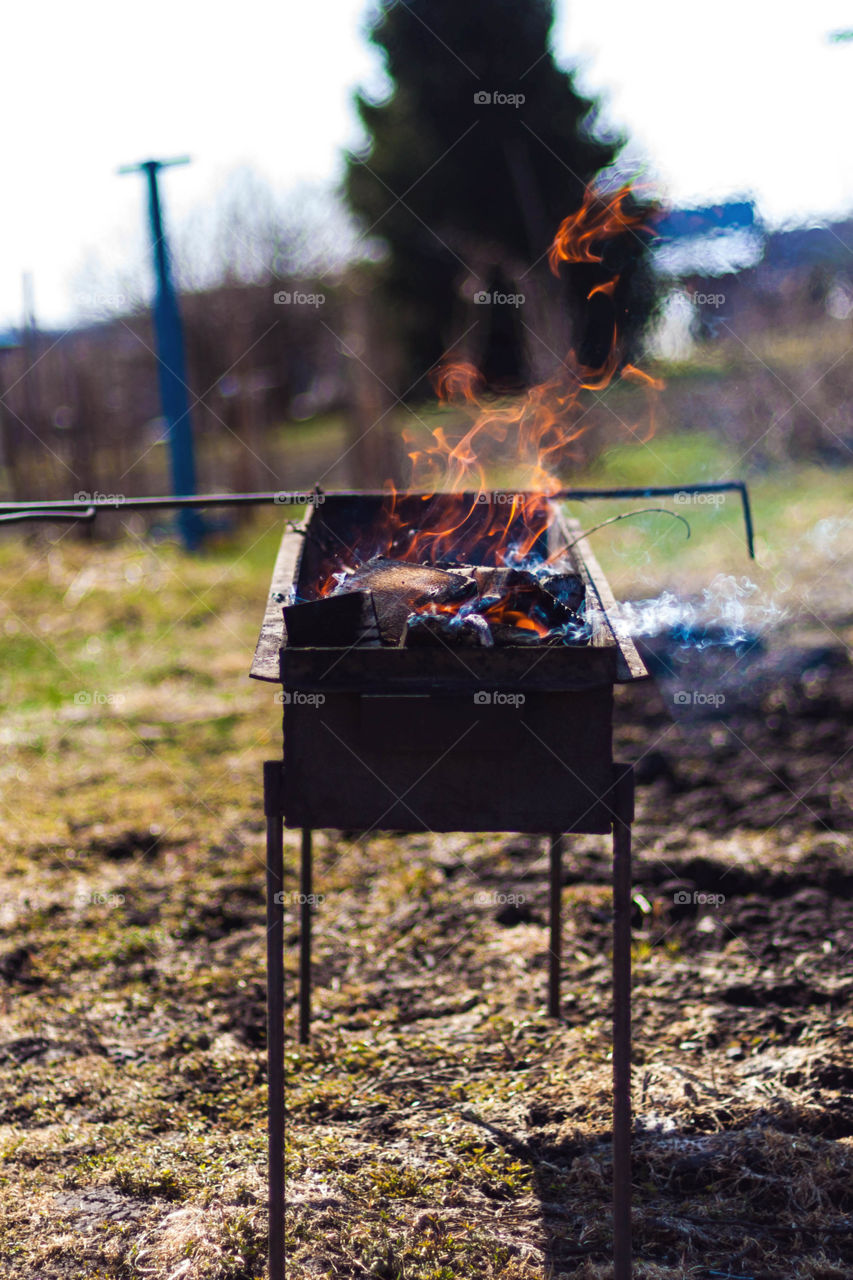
<point x="439" y="1125"/>
<point x="469" y="1136"/>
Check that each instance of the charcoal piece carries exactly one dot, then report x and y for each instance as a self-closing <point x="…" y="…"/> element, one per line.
<point x="502" y="582"/>
<point x="519" y="590"/>
<point x="334" y="621"/>
<point x="568" y="588"/>
<point x="498" y="602"/>
<point x="431" y="630"/>
<point x="477" y="623"/>
<point x="382" y="574"/>
<point x="507" y="633"/>
<point x="515" y="591"/>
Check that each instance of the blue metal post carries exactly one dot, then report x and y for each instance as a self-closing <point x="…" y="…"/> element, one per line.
<point x="171" y="366"/>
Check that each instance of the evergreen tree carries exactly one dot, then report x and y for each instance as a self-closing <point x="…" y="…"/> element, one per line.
<point x="482" y="148"/>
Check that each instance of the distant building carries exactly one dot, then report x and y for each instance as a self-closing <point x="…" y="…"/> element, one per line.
<point x="732" y="272"/>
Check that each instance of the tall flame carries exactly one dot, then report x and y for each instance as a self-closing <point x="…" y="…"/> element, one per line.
<point x="546" y="421"/>
<point x="541" y="424"/>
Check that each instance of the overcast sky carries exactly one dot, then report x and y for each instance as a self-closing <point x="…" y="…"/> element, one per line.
<point x="739" y="97"/>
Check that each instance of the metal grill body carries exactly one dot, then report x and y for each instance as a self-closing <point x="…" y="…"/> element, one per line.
<point x="442" y="739"/>
<point x="514" y="738"/>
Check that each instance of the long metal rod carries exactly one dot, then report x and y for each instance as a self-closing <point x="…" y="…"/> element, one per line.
<point x="88" y="506"/>
<point x="305" y="901"/>
<point x="93" y="503"/>
<point x="622" y="1025"/>
<point x="555" y="947"/>
<point x="275" y="1013"/>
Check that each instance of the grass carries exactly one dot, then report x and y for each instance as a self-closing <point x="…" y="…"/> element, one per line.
<point x="788" y="506"/>
<point x="132" y="932"/>
<point x="787" y="347"/>
<point x="131" y="863"/>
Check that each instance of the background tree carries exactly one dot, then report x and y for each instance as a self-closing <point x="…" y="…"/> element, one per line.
<point x="465" y="191"/>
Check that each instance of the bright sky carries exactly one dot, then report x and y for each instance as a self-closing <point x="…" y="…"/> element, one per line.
<point x="737" y="97"/>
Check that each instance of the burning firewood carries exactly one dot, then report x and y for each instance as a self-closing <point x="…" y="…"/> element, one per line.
<point x="516" y="591"/>
<point x="399" y="589"/>
<point x="420" y="605"/>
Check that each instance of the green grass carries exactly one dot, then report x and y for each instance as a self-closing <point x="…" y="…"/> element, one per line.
<point x="787" y="505"/>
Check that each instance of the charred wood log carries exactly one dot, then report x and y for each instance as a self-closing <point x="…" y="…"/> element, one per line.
<point x="333" y="621"/>
<point x="398" y="589"/>
<point x="417" y="605"/>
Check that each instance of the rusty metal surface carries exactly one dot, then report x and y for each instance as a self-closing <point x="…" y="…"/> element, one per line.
<point x="84" y="509"/>
<point x="265" y="665"/>
<point x="606" y="659"/>
<point x="555" y="914"/>
<point x="450" y="763"/>
<point x="306" y="900"/>
<point x="629" y="664"/>
<point x="377" y="739"/>
<point x="624" y="805"/>
<point x="446" y="669"/>
<point x="275" y="1012"/>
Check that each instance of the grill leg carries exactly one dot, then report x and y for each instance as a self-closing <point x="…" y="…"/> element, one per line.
<point x="305" y="894"/>
<point x="275" y="1013"/>
<point x="555" y="946"/>
<point x="622" y="1026"/>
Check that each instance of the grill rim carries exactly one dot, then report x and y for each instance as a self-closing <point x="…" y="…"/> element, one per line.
<point x="609" y="658"/>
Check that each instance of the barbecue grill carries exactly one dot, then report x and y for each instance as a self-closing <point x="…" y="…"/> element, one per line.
<point x="441" y="738"/>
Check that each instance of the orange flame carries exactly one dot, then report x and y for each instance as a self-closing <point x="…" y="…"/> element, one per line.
<point x="461" y="519"/>
<point x="598" y="219"/>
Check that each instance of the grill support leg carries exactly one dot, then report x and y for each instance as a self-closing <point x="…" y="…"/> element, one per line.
<point x="555" y="945"/>
<point x="305" y="899"/>
<point x="623" y="815"/>
<point x="624" y="804"/>
<point x="275" y="1013"/>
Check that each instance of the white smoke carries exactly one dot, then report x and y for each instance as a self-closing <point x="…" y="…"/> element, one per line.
<point x="831" y="537"/>
<point x="729" y="611"/>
